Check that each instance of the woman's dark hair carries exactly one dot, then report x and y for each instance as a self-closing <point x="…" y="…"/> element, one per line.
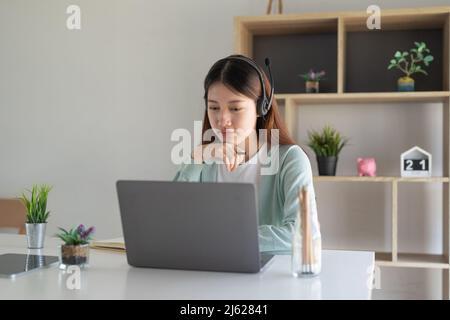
<point x="239" y="76"/>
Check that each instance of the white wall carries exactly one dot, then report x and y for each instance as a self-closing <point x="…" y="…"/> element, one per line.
<point x="81" y="109"/>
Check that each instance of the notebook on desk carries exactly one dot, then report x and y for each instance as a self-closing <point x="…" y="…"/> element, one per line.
<point x="117" y="244"/>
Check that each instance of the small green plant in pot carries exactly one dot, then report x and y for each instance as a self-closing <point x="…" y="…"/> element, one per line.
<point x="409" y="63"/>
<point x="37" y="215"/>
<point x="312" y="80"/>
<point x="75" y="250"/>
<point x="327" y="145"/>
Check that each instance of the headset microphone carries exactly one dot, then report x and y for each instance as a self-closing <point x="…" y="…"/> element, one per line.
<point x="272" y="88"/>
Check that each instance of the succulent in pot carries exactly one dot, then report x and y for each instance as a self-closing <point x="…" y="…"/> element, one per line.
<point x="312" y="80"/>
<point x="75" y="250"/>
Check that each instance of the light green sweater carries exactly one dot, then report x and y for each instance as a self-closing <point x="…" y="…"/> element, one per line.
<point x="278" y="196"/>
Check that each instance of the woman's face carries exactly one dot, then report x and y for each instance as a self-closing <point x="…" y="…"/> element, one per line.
<point x="232" y="115"/>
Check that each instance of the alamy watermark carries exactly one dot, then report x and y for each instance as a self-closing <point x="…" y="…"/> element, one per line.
<point x="268" y="158"/>
<point x="374" y="277"/>
<point x="373" y="22"/>
<point x="73" y="22"/>
<point x="73" y="281"/>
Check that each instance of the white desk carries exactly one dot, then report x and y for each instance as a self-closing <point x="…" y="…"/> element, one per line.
<point x="345" y="275"/>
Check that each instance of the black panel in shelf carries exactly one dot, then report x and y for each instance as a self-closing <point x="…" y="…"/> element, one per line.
<point x="368" y="54"/>
<point x="293" y="54"/>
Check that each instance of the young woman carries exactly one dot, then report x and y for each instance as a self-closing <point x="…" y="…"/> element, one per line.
<point x="234" y="117"/>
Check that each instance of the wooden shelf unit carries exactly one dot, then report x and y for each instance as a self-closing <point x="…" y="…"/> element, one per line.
<point x="255" y="33"/>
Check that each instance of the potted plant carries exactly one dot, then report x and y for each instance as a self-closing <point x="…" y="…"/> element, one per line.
<point x="312" y="80"/>
<point x="75" y="250"/>
<point x="326" y="145"/>
<point x="37" y="215"/>
<point x="417" y="55"/>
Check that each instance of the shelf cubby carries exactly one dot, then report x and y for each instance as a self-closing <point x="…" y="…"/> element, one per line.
<point x="396" y="258"/>
<point x="298" y="49"/>
<point x="368" y="53"/>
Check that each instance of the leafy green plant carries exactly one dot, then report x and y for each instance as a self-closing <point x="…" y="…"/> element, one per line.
<point x="36" y="204"/>
<point x="327" y="143"/>
<point x="416" y="55"/>
<point x="76" y="236"/>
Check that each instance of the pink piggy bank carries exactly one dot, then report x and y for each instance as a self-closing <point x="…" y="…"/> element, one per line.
<point x="367" y="167"/>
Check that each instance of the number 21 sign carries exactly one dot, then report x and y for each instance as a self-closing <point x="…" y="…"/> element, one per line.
<point x="415" y="162"/>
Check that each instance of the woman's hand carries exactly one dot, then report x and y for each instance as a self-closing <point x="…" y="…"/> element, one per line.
<point x="224" y="153"/>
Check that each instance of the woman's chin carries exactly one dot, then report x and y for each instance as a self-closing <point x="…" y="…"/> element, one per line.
<point x="225" y="140"/>
<point x="231" y="141"/>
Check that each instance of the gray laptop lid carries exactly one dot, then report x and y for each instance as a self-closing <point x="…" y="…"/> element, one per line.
<point x="189" y="225"/>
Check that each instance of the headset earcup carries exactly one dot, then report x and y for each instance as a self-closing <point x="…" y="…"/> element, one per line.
<point x="259" y="107"/>
<point x="263" y="106"/>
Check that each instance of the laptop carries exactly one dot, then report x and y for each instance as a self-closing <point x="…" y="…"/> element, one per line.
<point x="191" y="225"/>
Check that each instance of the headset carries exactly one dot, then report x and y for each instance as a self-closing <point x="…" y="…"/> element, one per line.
<point x="263" y="104"/>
